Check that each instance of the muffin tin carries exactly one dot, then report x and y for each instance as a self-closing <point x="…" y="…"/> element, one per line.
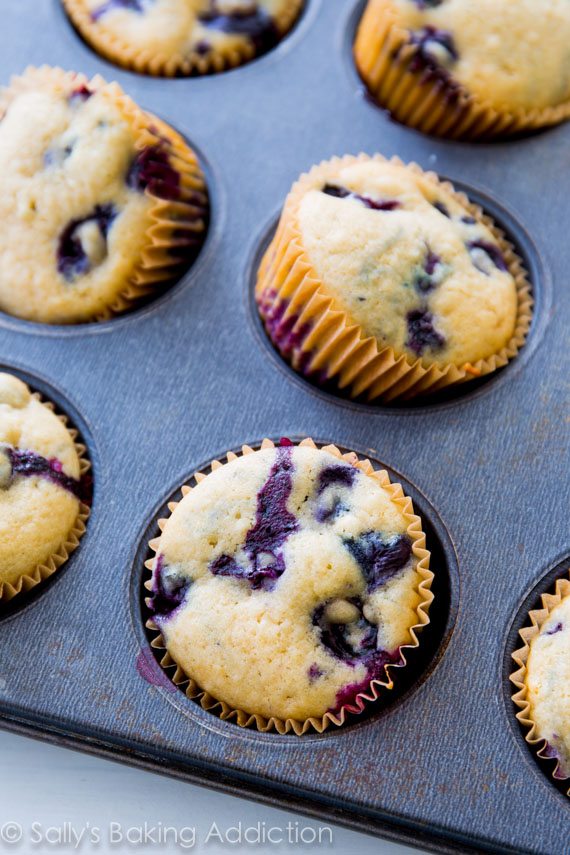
<point x="160" y="391"/>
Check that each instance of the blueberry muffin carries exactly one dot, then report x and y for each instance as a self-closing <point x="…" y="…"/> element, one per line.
<point x="465" y="70"/>
<point x="385" y="278"/>
<point x="100" y="203"/>
<point x="544" y="679"/>
<point x="41" y="513"/>
<point x="288" y="581"/>
<point x="170" y="37"/>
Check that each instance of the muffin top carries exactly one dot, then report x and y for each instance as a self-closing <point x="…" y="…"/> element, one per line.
<point x="513" y="54"/>
<point x="73" y="208"/>
<point x="285" y="582"/>
<point x="407" y="261"/>
<point x="548" y="684"/>
<point x="39" y="481"/>
<point x="192" y="30"/>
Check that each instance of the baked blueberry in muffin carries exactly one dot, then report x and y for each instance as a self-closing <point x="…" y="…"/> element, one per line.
<point x="373" y="255"/>
<point x="99" y="203"/>
<point x="460" y="69"/>
<point x="183" y="36"/>
<point x="288" y="580"/>
<point x="40" y="488"/>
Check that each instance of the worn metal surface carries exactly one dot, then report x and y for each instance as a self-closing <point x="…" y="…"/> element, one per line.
<point x="158" y="392"/>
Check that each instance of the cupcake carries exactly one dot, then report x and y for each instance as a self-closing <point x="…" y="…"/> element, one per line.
<point x="182" y="37"/>
<point x="387" y="283"/>
<point x="287" y="584"/>
<point x="464" y="70"/>
<point x="543" y="679"/>
<point x="100" y="203"/>
<point x="42" y="516"/>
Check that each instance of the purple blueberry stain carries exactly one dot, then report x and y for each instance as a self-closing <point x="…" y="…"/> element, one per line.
<point x="72" y="259"/>
<point x="427" y="279"/>
<point x="28" y="464"/>
<point x="338" y="192"/>
<point x="558" y="628"/>
<point x="422" y="333"/>
<point x="80" y="95"/>
<point x="328" y="511"/>
<point x="485" y="256"/>
<point x="286" y="333"/>
<point x="169" y="588"/>
<point x="151" y="170"/>
<point x="314" y="673"/>
<point x="378" y="558"/>
<point x="273" y="525"/>
<point x="111" y="5"/>
<point x="376" y="664"/>
<point x="146" y="666"/>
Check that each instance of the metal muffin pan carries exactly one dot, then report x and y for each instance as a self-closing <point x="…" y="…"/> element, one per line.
<point x="160" y="391"/>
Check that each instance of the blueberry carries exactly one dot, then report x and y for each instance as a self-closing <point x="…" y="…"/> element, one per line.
<point x="314" y="673"/>
<point x="340" y="475"/>
<point x="374" y="204"/>
<point x="482" y="252"/>
<point x="80" y="94"/>
<point x="337" y="473"/>
<point x="169" y="588"/>
<point x="421" y="332"/>
<point x="350" y="642"/>
<point x="72" y="260"/>
<point x="379" y="559"/>
<point x="151" y="169"/>
<point x="326" y="512"/>
<point x="202" y="47"/>
<point x="434" y="47"/>
<point x="273" y="525"/>
<point x="442" y="208"/>
<point x="427" y="4"/>
<point x="424" y="282"/>
<point x="254" y="23"/>
<point x="29" y="464"/>
<point x="558" y="628"/>
<point x="257" y="575"/>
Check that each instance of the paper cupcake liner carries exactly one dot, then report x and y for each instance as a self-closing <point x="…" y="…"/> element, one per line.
<point x="25" y="583"/>
<point x="428" y="98"/>
<point x="314" y="333"/>
<point x="177" y="225"/>
<point x="222" y="58"/>
<point x="537" y="618"/>
<point x="376" y="687"/>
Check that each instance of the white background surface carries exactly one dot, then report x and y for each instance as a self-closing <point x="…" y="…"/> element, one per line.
<point x="52" y="786"/>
